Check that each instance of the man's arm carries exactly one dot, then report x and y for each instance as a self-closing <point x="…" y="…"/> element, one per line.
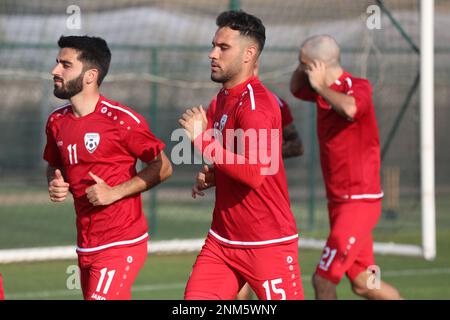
<point x="155" y="172"/>
<point x="343" y="104"/>
<point x="299" y="80"/>
<point x="292" y="143"/>
<point x="57" y="187"/>
<point x="240" y="168"/>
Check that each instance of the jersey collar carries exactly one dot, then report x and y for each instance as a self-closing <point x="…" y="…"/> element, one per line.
<point x="340" y="81"/>
<point x="99" y="105"/>
<point x="239" y="88"/>
<point x="97" y="109"/>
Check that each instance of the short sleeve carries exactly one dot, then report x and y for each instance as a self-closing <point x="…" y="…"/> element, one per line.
<point x="51" y="151"/>
<point x="286" y="115"/>
<point x="362" y="92"/>
<point x="258" y="117"/>
<point x="141" y="142"/>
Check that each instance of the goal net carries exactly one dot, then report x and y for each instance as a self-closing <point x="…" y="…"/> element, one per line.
<point x="160" y="67"/>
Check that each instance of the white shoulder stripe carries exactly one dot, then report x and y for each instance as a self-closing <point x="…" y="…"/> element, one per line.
<point x="252" y="97"/>
<point x="123" y="110"/>
<point x="349" y="82"/>
<point x="280" y="103"/>
<point x="61" y="107"/>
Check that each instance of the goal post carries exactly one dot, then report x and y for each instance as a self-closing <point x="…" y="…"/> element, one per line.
<point x="427" y="129"/>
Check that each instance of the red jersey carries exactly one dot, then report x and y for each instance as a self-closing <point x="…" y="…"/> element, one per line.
<point x="251" y="208"/>
<point x="108" y="143"/>
<point x="286" y="115"/>
<point x="349" y="149"/>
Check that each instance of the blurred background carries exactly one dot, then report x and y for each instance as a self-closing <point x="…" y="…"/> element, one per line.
<point x="160" y="67"/>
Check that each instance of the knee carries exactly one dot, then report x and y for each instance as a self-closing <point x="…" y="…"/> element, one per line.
<point x="318" y="282"/>
<point x="360" y="289"/>
<point x="314" y="281"/>
<point x="324" y="289"/>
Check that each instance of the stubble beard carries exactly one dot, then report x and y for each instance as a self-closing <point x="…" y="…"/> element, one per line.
<point x="69" y="89"/>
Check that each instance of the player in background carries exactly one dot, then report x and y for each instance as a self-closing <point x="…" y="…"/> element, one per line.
<point x="2" y="293"/>
<point x="350" y="161"/>
<point x="253" y="237"/>
<point x="92" y="147"/>
<point x="292" y="147"/>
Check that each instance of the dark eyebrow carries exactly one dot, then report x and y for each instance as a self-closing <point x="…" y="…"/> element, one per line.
<point x="221" y="44"/>
<point x="64" y="61"/>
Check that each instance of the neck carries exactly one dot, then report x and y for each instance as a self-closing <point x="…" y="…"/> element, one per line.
<point x="333" y="74"/>
<point x="84" y="103"/>
<point x="241" y="77"/>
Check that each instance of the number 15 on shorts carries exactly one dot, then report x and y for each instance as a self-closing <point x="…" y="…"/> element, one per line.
<point x="273" y="287"/>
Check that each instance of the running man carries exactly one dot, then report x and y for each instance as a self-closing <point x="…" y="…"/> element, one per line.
<point x="92" y="147"/>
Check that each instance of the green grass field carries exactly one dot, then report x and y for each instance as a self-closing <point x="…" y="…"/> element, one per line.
<point x="164" y="276"/>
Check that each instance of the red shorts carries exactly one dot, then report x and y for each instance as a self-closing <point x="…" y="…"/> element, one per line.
<point x="349" y="248"/>
<point x="109" y="274"/>
<point x="2" y="293"/>
<point x="220" y="272"/>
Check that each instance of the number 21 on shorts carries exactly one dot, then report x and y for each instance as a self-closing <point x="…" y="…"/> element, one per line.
<point x="273" y="287"/>
<point x="327" y="258"/>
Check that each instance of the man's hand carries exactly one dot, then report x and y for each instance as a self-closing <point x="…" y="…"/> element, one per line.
<point x="205" y="179"/>
<point x="316" y="72"/>
<point x="299" y="79"/>
<point x="58" y="188"/>
<point x="194" y="121"/>
<point x="100" y="194"/>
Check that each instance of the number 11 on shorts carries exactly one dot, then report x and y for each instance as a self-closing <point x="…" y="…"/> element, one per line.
<point x="102" y="278"/>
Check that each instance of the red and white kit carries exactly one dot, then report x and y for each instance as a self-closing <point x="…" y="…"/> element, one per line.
<point x="253" y="236"/>
<point x="350" y="161"/>
<point x="286" y="115"/>
<point x="106" y="142"/>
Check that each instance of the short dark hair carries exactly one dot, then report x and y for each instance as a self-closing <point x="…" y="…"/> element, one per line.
<point x="94" y="52"/>
<point x="247" y="25"/>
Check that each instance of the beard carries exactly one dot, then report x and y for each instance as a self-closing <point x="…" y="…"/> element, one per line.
<point x="220" y="78"/>
<point x="69" y="89"/>
<point x="224" y="76"/>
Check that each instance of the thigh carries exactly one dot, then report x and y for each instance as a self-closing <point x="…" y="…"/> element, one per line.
<point x="84" y="265"/>
<point x="111" y="273"/>
<point x="212" y="278"/>
<point x="349" y="241"/>
<point x="274" y="272"/>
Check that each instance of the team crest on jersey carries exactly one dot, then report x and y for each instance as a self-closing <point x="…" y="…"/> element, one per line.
<point x="91" y="141"/>
<point x="223" y="120"/>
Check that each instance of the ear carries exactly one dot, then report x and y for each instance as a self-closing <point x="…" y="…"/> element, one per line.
<point x="251" y="53"/>
<point x="91" y="76"/>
